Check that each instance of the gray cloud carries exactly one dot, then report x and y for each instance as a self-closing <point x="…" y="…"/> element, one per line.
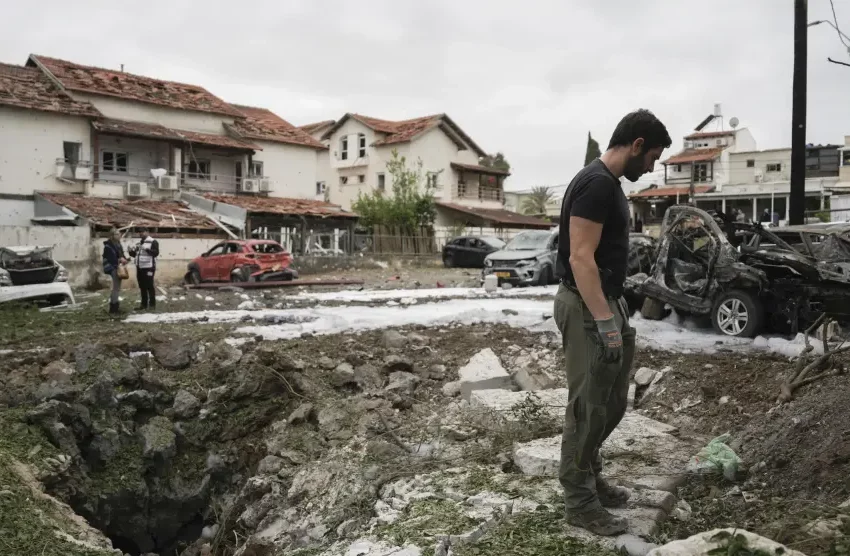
<point x="528" y="78"/>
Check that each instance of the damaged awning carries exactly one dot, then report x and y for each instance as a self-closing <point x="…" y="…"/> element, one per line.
<point x="144" y="130"/>
<point x="494" y="218"/>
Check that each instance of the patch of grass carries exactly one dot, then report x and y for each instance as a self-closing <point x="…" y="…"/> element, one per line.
<point x="18" y="439"/>
<point x="423" y="520"/>
<point x="480" y="479"/>
<point x="534" y="534"/>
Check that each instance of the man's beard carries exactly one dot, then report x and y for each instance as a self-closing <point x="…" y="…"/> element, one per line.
<point x="634" y="168"/>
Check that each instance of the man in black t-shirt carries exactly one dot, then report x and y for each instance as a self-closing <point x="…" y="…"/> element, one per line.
<point x="593" y="318"/>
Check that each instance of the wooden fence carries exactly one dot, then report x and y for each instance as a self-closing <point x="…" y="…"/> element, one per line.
<point x="391" y="241"/>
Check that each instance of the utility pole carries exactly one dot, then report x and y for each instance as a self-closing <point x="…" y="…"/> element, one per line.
<point x="797" y="200"/>
<point x="692" y="195"/>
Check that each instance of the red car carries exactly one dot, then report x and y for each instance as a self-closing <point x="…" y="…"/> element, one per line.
<point x="242" y="261"/>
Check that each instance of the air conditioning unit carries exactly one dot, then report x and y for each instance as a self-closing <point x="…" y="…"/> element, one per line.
<point x="759" y="177"/>
<point x="250" y="185"/>
<point x="137" y="189"/>
<point x="83" y="171"/>
<point x="167" y="183"/>
<point x="265" y="185"/>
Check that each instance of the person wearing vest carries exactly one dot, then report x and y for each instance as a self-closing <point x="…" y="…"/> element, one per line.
<point x="113" y="258"/>
<point x="145" y="254"/>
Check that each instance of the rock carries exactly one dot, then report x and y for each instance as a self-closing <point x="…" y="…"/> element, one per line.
<point x="158" y="439"/>
<point x="644" y="376"/>
<point x="59" y="371"/>
<point x="393" y="339"/>
<point x="86" y="354"/>
<point x="326" y="363"/>
<point x="347" y="528"/>
<point x="418" y="339"/>
<point x="103" y="447"/>
<point x="368" y="377"/>
<point x="707" y="543"/>
<point x="451" y="389"/>
<point x="483" y="372"/>
<point x="224" y="355"/>
<point x="402" y="382"/>
<point x="682" y="511"/>
<point x="332" y="419"/>
<point x="209" y="532"/>
<point x="217" y="394"/>
<point x="101" y="394"/>
<point x="437" y="372"/>
<point x="302" y="414"/>
<point x="215" y="465"/>
<point x="185" y="405"/>
<point x="394" y="363"/>
<point x="654" y="387"/>
<point x="62" y="390"/>
<point x="343" y="375"/>
<point x="140" y="399"/>
<point x="270" y="465"/>
<point x="633" y="545"/>
<point x="176" y="354"/>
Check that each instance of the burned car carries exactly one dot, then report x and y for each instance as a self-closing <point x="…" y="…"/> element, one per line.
<point x="743" y="276"/>
<point x="29" y="273"/>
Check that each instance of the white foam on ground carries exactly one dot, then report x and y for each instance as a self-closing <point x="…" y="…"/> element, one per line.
<point x="423" y="293"/>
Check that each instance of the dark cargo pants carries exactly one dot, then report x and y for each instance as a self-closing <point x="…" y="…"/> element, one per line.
<point x="598" y="395"/>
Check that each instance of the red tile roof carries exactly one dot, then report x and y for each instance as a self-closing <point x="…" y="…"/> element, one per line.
<point x="29" y="88"/>
<point x="161" y="215"/>
<point x="316" y="126"/>
<point x="264" y="125"/>
<point x="499" y="217"/>
<point x="406" y="130"/>
<point x="709" y="134"/>
<point x="282" y="205"/>
<point x="670" y="191"/>
<point x="694" y="155"/>
<point x="100" y="81"/>
<point x="156" y="131"/>
<point x="480" y="169"/>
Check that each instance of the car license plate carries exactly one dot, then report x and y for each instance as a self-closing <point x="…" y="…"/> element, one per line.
<point x="503" y="275"/>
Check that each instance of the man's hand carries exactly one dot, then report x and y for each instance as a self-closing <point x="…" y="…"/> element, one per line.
<point x="612" y="340"/>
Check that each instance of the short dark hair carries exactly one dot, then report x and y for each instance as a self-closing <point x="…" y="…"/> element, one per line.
<point x="640" y="124"/>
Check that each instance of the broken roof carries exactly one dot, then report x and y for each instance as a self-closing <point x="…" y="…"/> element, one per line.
<point x="480" y="169"/>
<point x="670" y="191"/>
<point x="155" y="215"/>
<point x="316" y="126"/>
<point x="500" y="217"/>
<point x="282" y="205"/>
<point x="100" y="81"/>
<point x="694" y="155"/>
<point x="403" y="131"/>
<point x="261" y="124"/>
<point x="156" y="131"/>
<point x="29" y="88"/>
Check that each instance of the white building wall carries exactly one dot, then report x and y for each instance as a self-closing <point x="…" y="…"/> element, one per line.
<point x="350" y="129"/>
<point x="143" y="156"/>
<point x="30" y="143"/>
<point x="324" y="174"/>
<point x="151" y="113"/>
<point x="744" y="141"/>
<point x="437" y="152"/>
<point x="293" y="169"/>
<point x="740" y="173"/>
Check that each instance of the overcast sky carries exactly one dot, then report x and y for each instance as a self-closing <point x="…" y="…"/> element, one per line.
<point x="528" y="78"/>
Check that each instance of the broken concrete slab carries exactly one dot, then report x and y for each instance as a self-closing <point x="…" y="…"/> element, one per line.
<point x="483" y="372"/>
<point x="633" y="545"/>
<point x="644" y="376"/>
<point x="503" y="401"/>
<point x="706" y="543"/>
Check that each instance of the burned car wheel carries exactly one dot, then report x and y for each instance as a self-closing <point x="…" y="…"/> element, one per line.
<point x="737" y="313"/>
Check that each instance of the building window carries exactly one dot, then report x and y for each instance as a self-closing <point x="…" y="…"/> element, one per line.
<point x="361" y="178"/>
<point x="343" y="180"/>
<point x="343" y="148"/>
<point x="845" y="158"/>
<point x="361" y="143"/>
<point x="382" y="182"/>
<point x="678" y="168"/>
<point x="198" y="169"/>
<point x="257" y="169"/>
<point x="700" y="172"/>
<point x="751" y="163"/>
<point x="320" y="188"/>
<point x="112" y="161"/>
<point x="72" y="152"/>
<point x="432" y="179"/>
<point x="774" y="167"/>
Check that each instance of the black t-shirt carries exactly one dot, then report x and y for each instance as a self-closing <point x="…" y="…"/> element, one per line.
<point x="595" y="194"/>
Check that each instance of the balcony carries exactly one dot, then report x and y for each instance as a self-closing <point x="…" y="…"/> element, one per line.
<point x="477" y="192"/>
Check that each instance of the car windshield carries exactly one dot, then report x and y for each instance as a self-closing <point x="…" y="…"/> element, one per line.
<point x="529" y="241"/>
<point x="493" y="242"/>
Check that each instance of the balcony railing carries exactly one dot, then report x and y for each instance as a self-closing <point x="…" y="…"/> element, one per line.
<point x="109" y="174"/>
<point x="481" y="193"/>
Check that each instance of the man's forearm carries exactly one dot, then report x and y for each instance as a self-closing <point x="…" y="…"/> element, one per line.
<point x="586" y="275"/>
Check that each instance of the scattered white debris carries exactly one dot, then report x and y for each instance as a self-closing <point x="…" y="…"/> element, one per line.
<point x="135" y="354"/>
<point x="208" y="298"/>
<point x="199" y="296"/>
<point x="425" y="293"/>
<point x="246" y="306"/>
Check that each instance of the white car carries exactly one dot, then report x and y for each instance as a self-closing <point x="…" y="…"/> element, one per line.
<point x="29" y="273"/>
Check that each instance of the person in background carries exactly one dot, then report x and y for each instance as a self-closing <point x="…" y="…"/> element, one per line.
<point x="765" y="216"/>
<point x="639" y="225"/>
<point x="113" y="257"/>
<point x="145" y="253"/>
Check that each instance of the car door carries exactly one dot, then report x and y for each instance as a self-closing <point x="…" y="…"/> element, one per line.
<point x="227" y="261"/>
<point x="477" y="252"/>
<point x="208" y="265"/>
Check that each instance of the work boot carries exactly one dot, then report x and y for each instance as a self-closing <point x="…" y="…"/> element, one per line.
<point x="611" y="496"/>
<point x="599" y="522"/>
<point x="140" y="308"/>
<point x="114" y="309"/>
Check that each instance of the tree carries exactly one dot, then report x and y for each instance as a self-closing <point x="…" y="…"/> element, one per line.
<point x="496" y="161"/>
<point x="537" y="200"/>
<point x="593" y="151"/>
<point x="411" y="205"/>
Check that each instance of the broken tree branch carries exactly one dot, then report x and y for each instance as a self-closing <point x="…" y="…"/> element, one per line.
<point x="801" y="369"/>
<point x="392" y="434"/>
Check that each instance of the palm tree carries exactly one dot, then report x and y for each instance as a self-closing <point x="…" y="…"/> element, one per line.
<point x="537" y="200"/>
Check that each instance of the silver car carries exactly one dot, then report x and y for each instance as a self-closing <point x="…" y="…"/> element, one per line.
<point x="527" y="260"/>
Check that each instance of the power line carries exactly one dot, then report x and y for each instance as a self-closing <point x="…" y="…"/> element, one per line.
<point x="837" y="29"/>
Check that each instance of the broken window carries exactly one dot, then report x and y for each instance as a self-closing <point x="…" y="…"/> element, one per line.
<point x="382" y="181"/>
<point x="677" y="168"/>
<point x="113" y="161"/>
<point x="257" y="169"/>
<point x="700" y="172"/>
<point x="361" y="142"/>
<point x="432" y="179"/>
<point x="320" y="188"/>
<point x="198" y="169"/>
<point x="343" y="180"/>
<point x="343" y="148"/>
<point x="845" y="158"/>
<point x="361" y="178"/>
<point x="72" y="152"/>
<point x="777" y="167"/>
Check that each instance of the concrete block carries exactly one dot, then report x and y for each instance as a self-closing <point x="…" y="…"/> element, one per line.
<point x="504" y="401"/>
<point x="643" y="522"/>
<point x="484" y="371"/>
<point x="705" y="543"/>
<point x="631" y="397"/>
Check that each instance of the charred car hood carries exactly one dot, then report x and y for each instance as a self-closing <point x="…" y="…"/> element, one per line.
<point x="516" y="255"/>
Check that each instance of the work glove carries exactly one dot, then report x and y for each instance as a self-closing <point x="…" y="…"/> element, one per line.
<point x="612" y="340"/>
